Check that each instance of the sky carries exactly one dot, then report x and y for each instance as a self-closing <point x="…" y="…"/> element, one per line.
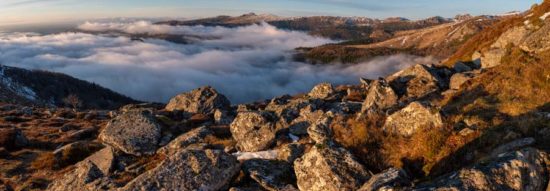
<point x="17" y="12"/>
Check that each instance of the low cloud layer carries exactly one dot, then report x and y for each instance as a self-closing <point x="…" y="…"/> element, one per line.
<point x="246" y="63"/>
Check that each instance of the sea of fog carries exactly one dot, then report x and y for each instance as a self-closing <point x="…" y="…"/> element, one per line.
<point x="245" y="63"/>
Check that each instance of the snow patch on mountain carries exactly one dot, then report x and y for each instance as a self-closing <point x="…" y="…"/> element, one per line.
<point x="15" y="87"/>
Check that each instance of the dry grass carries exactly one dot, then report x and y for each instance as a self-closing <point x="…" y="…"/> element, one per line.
<point x="377" y="151"/>
<point x="363" y="137"/>
<point x="482" y="40"/>
<point x="68" y="157"/>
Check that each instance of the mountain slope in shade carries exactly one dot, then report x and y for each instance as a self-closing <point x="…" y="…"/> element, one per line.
<point x="42" y="88"/>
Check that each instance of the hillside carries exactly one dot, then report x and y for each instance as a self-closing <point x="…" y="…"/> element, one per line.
<point x="439" y="41"/>
<point x="42" y="88"/>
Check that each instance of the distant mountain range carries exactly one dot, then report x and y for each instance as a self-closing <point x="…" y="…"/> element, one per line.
<point x="342" y="28"/>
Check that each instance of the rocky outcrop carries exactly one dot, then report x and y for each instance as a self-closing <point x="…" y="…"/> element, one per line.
<point x="416" y="115"/>
<point x="493" y="56"/>
<point x="518" y="170"/>
<point x="104" y="160"/>
<point x="322" y="91"/>
<point x="270" y="174"/>
<point x="387" y="180"/>
<point x="415" y="82"/>
<point x="189" y="170"/>
<point x="538" y="41"/>
<point x="203" y="100"/>
<point x="380" y="96"/>
<point x="287" y="109"/>
<point x="135" y="132"/>
<point x="86" y="177"/>
<point x="253" y="131"/>
<point x="181" y="142"/>
<point x="329" y="169"/>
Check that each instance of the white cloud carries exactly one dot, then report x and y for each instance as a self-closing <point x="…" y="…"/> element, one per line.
<point x="245" y="63"/>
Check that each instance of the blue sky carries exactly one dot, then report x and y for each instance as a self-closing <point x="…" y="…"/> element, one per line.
<point x="47" y="11"/>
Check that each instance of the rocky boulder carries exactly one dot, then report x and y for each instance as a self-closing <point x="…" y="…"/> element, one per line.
<point x="416" y="82"/>
<point x="189" y="170"/>
<point x="415" y="116"/>
<point x="203" y="100"/>
<point x="288" y="110"/>
<point x="329" y="169"/>
<point x="253" y="131"/>
<point x="270" y="174"/>
<point x="135" y="132"/>
<point x="518" y="170"/>
<point x="387" y="180"/>
<point x="104" y="160"/>
<point x="380" y="96"/>
<point x="181" y="142"/>
<point x="86" y="177"/>
<point x="322" y="91"/>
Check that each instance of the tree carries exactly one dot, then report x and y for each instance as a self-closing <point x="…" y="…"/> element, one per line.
<point x="73" y="101"/>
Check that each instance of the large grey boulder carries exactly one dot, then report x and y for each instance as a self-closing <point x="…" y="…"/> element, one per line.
<point x="416" y="82"/>
<point x="189" y="170"/>
<point x="380" y="96"/>
<point x="408" y="120"/>
<point x="272" y="175"/>
<point x="86" y="177"/>
<point x="322" y="91"/>
<point x="203" y="100"/>
<point x="134" y="132"/>
<point x="194" y="136"/>
<point x="517" y="170"/>
<point x="104" y="159"/>
<point x="387" y="180"/>
<point x="253" y="131"/>
<point x="329" y="169"/>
